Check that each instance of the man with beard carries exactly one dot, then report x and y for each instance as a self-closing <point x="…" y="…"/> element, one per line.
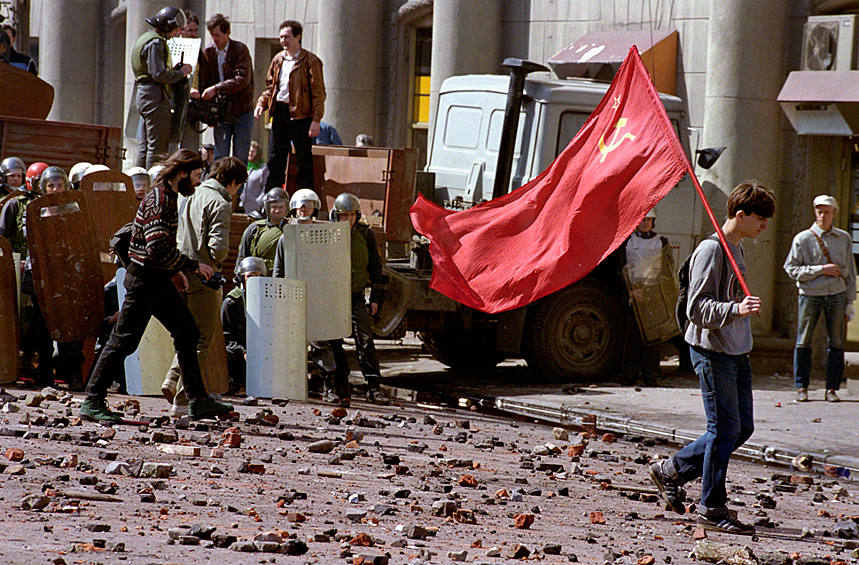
<point x="154" y="279"/>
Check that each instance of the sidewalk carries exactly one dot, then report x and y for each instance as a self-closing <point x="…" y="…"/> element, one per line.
<point x="671" y="411"/>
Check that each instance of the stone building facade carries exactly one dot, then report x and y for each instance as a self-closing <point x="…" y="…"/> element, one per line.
<point x="386" y="59"/>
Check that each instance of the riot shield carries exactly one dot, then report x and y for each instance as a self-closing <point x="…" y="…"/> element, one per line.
<point x="653" y="290"/>
<point x="65" y="264"/>
<point x="181" y="98"/>
<point x="276" y="338"/>
<point x="9" y="329"/>
<point x="110" y="197"/>
<point x="321" y="256"/>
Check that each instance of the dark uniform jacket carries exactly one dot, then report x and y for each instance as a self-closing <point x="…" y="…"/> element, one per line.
<point x="238" y="83"/>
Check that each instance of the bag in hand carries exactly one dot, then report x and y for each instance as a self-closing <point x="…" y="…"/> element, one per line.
<point x="210" y="112"/>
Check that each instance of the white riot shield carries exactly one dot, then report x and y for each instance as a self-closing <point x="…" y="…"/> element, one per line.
<point x="276" y="338"/>
<point x="321" y="256"/>
<point x="146" y="368"/>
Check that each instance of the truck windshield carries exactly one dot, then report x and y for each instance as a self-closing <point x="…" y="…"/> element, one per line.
<point x="572" y="122"/>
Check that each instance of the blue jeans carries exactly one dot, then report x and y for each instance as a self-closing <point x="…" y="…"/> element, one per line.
<point x="810" y="307"/>
<point x="238" y="134"/>
<point x="726" y="389"/>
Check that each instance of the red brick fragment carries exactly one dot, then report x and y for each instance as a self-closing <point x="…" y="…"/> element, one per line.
<point x="14" y="454"/>
<point x="597" y="517"/>
<point x="467" y="481"/>
<point x="523" y="521"/>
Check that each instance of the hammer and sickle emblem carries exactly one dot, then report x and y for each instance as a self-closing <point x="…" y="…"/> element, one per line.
<point x="615" y="142"/>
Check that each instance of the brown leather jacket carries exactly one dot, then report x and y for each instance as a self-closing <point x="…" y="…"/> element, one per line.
<point x="306" y="86"/>
<point x="238" y="82"/>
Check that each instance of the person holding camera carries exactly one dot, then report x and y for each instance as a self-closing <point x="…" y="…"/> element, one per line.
<point x="226" y="69"/>
<point x="204" y="236"/>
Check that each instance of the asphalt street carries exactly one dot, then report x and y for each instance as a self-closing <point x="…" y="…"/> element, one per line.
<point x="672" y="410"/>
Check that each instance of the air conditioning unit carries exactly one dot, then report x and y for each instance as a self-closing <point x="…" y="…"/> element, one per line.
<point x="829" y="43"/>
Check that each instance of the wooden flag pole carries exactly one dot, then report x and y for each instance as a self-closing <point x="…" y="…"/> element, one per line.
<point x="719" y="232"/>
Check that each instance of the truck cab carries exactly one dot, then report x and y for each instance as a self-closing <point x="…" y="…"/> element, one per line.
<point x="576" y="333"/>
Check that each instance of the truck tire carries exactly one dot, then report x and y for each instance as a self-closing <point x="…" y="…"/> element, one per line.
<point x="575" y="334"/>
<point x="460" y="350"/>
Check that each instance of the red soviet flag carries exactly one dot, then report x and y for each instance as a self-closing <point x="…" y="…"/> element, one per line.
<point x="553" y="231"/>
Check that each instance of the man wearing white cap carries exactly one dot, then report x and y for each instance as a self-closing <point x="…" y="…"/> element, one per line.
<point x="821" y="262"/>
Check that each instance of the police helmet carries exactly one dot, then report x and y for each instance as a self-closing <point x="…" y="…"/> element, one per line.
<point x="11" y="165"/>
<point x="154" y="170"/>
<point x="95" y="168"/>
<point x="77" y="172"/>
<point x="345" y="203"/>
<point x="249" y="265"/>
<point x="272" y="196"/>
<point x="54" y="176"/>
<point x="140" y="178"/>
<point x="34" y="175"/>
<point x="304" y="196"/>
<point x="167" y="19"/>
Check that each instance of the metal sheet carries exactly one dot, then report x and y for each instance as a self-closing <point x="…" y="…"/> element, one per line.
<point x="66" y="267"/>
<point x="146" y="367"/>
<point x="653" y="288"/>
<point x="320" y="255"/>
<point x="9" y="327"/>
<point x="112" y="203"/>
<point x="276" y="338"/>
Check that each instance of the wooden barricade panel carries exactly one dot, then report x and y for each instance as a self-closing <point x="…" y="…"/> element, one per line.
<point x="383" y="180"/>
<point x="9" y="327"/>
<point x="66" y="268"/>
<point x="23" y="94"/>
<point x="112" y="203"/>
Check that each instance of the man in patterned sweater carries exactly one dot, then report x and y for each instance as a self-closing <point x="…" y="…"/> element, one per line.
<point x="152" y="285"/>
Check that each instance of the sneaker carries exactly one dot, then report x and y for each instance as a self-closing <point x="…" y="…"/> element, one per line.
<point x="802" y="395"/>
<point x="206" y="407"/>
<point x="98" y="411"/>
<point x="669" y="489"/>
<point x="179" y="410"/>
<point x="728" y="523"/>
<point x="375" y="396"/>
<point x="168" y="389"/>
<point x="329" y="396"/>
<point x="831" y="396"/>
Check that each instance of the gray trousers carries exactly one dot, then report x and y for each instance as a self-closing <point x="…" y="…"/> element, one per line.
<point x="155" y="119"/>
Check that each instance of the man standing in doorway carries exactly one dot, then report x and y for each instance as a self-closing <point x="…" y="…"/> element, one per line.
<point x="154" y="74"/>
<point x="821" y="263"/>
<point x="294" y="95"/>
<point x="226" y="68"/>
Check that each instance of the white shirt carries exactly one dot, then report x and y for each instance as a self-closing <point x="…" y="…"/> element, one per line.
<point x="283" y="79"/>
<point x="222" y="57"/>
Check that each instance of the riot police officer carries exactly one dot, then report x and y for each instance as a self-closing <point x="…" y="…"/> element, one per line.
<point x="154" y="75"/>
<point x="261" y="237"/>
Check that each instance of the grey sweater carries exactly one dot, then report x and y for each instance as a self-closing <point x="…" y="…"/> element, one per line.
<point x="714" y="297"/>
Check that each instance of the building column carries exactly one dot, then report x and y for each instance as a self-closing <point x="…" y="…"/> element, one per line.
<point x="744" y="76"/>
<point x="465" y="40"/>
<point x="350" y="32"/>
<point x="67" y="62"/>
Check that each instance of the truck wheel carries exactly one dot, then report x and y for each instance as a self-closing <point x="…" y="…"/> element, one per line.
<point x="460" y="350"/>
<point x="575" y="333"/>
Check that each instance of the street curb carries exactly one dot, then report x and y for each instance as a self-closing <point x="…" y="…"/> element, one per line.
<point x="845" y="467"/>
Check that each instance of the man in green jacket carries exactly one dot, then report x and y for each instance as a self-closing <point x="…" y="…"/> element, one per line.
<point x="366" y="269"/>
<point x="204" y="236"/>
